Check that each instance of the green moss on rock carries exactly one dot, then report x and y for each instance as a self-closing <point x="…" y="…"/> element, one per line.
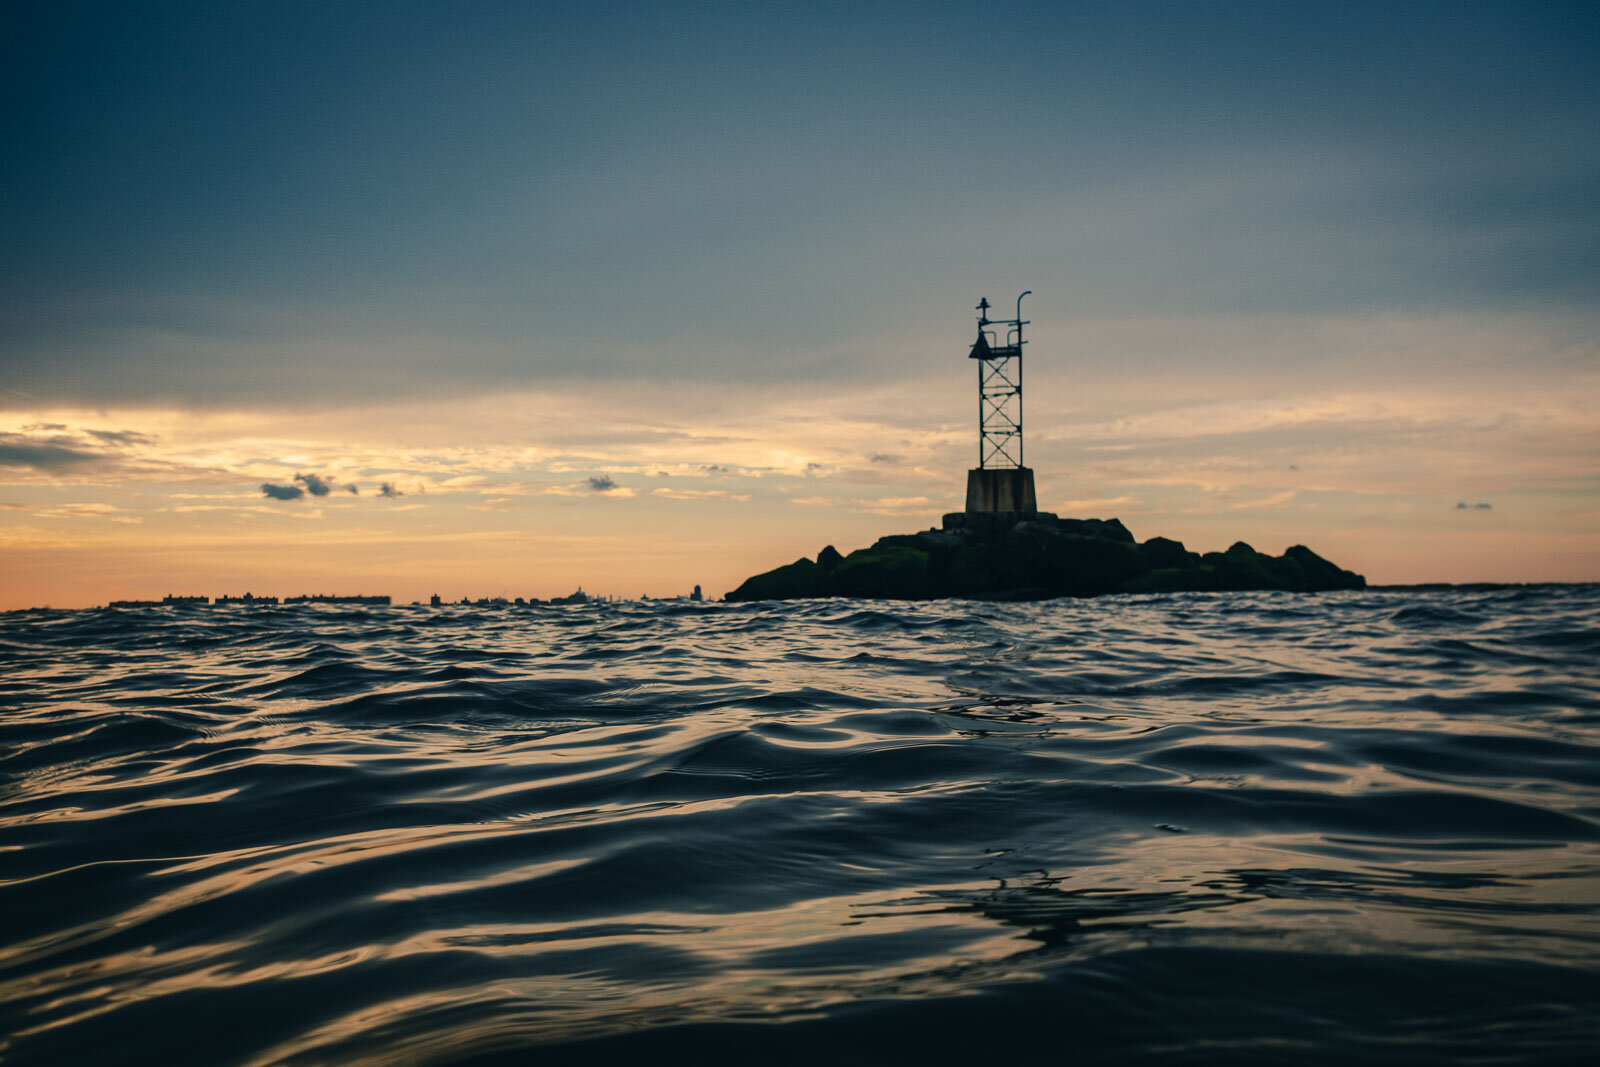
<point x="796" y="581"/>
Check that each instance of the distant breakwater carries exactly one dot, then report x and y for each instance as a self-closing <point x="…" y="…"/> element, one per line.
<point x="1037" y="557"/>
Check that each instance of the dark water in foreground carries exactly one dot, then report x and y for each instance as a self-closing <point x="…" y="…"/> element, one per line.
<point x="1195" y="828"/>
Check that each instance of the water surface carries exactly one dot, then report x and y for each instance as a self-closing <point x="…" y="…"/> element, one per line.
<point x="1200" y="828"/>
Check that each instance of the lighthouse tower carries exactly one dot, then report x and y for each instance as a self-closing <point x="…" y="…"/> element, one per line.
<point x="1000" y="485"/>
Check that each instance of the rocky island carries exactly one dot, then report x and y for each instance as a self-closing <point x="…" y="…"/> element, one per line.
<point x="1034" y="557"/>
<point x="1003" y="548"/>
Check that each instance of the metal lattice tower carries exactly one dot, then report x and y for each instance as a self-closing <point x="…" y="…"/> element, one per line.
<point x="999" y="389"/>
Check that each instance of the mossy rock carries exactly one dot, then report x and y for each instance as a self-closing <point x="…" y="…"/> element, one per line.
<point x="1191" y="579"/>
<point x="970" y="571"/>
<point x="892" y="571"/>
<point x="1103" y="529"/>
<point x="1163" y="553"/>
<point x="1319" y="574"/>
<point x="795" y="581"/>
<point x="1089" y="566"/>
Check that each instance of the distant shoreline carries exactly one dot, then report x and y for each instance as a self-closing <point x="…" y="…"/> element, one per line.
<point x="1394" y="587"/>
<point x="1467" y="587"/>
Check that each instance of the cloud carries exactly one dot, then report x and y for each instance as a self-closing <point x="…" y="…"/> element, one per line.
<point x="58" y="448"/>
<point x="317" y="485"/>
<point x="86" y="510"/>
<point x="899" y="506"/>
<point x="388" y="489"/>
<point x="699" y="494"/>
<point x="313" y="484"/>
<point x="1462" y="505"/>
<point x="121" y="437"/>
<point x="599" y="483"/>
<point x="258" y="509"/>
<point x="884" y="457"/>
<point x="903" y="505"/>
<point x="19" y="450"/>
<point x="1266" y="502"/>
<point x="1093" y="505"/>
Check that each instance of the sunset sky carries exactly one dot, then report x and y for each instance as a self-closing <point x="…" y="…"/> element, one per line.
<point x="501" y="299"/>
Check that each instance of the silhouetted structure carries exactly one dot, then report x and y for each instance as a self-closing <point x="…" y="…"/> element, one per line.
<point x="248" y="598"/>
<point x="696" y="595"/>
<point x="1002" y="547"/>
<point x="170" y="601"/>
<point x="1000" y="484"/>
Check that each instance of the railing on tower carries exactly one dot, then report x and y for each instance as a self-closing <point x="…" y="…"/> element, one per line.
<point x="999" y="388"/>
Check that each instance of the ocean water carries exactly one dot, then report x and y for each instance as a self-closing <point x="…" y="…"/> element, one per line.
<point x="1249" y="828"/>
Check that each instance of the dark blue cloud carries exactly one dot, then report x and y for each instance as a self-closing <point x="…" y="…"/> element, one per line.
<point x="17" y="451"/>
<point x="54" y="445"/>
<point x="317" y="485"/>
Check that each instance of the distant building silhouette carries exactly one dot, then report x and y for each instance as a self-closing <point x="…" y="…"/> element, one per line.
<point x="248" y="598"/>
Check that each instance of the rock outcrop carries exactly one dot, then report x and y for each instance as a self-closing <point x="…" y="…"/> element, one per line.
<point x="997" y="557"/>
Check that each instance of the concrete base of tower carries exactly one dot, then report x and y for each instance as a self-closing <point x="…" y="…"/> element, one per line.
<point x="1001" y="490"/>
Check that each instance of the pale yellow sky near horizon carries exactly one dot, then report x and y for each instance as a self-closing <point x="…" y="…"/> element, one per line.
<point x="631" y="489"/>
